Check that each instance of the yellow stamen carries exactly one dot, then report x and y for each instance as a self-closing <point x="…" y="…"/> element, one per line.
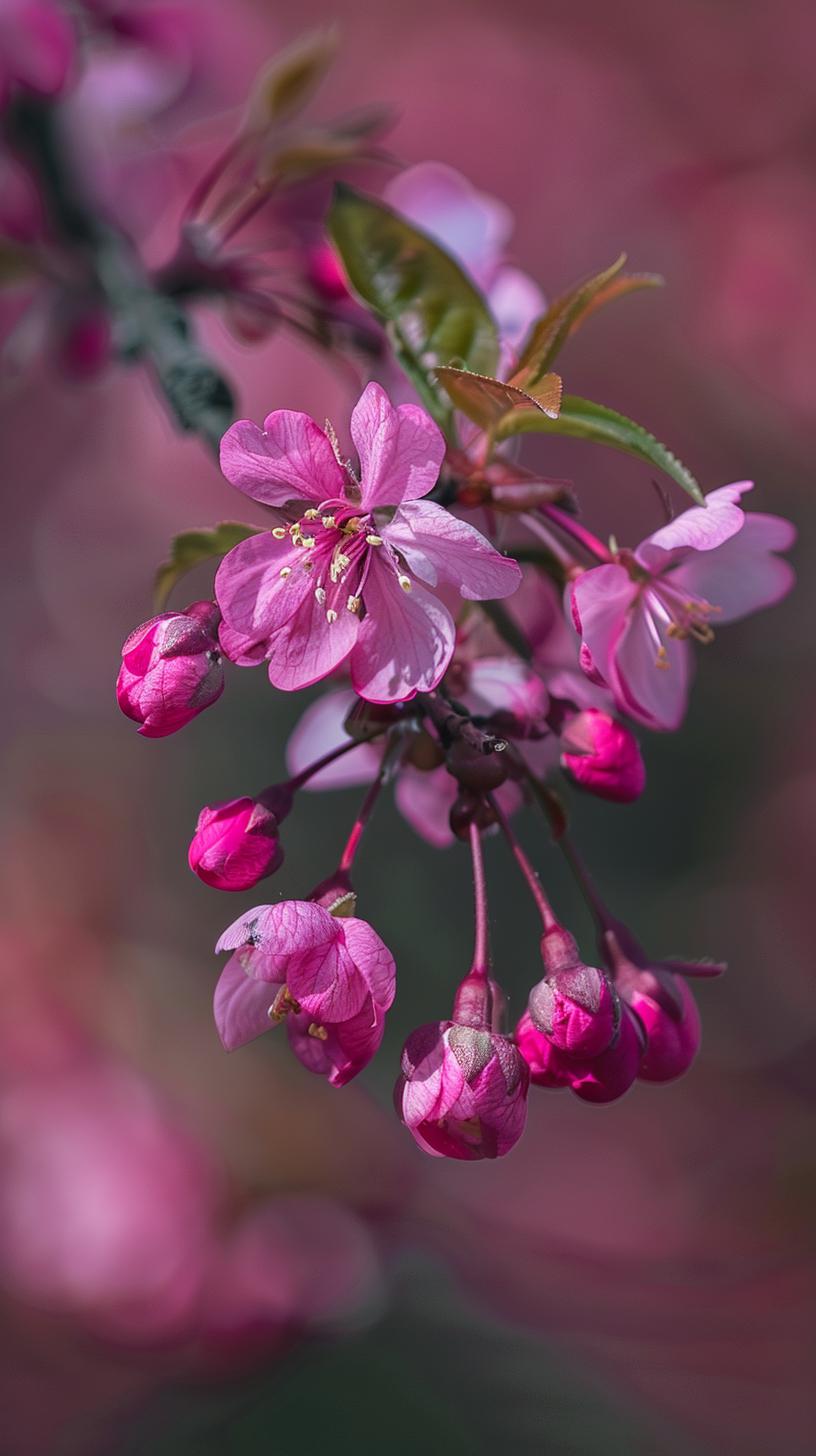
<point x="354" y="604"/>
<point x="405" y="583"/>
<point x="331" y="616"/>
<point x="372" y="540"/>
<point x="320" y="594"/>
<point x="280" y="533"/>
<point x="285" y="571"/>
<point x="329" y="521"/>
<point x="312" y="514"/>
<point x="318" y="1032"/>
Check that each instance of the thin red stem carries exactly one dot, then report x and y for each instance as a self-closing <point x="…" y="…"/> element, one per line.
<point x="530" y="874"/>
<point x="320" y="763"/>
<point x="579" y="533"/>
<point x="481" y="947"/>
<point x="372" y="795"/>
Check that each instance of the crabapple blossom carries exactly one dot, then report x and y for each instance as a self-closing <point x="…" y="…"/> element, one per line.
<point x="171" y="669"/>
<point x="575" y="1005"/>
<point x="462" y="1092"/>
<point x="602" y="1078"/>
<point x="348" y="580"/>
<point x="236" y="843"/>
<point x="602" y="755"/>
<point x="330" y="977"/>
<point x="712" y="564"/>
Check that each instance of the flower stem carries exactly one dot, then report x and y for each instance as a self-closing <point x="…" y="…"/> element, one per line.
<point x="585" y="883"/>
<point x="579" y="533"/>
<point x="372" y="795"/>
<point x="529" y="872"/>
<point x="320" y="763"/>
<point x="481" y="947"/>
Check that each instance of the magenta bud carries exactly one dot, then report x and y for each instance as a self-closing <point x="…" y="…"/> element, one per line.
<point x="602" y="756"/>
<point x="235" y="844"/>
<point x="673" y="1035"/>
<point x="479" y="772"/>
<point x="594" y="1079"/>
<point x="462" y="1092"/>
<point x="326" y="275"/>
<point x="171" y="670"/>
<point x="576" y="1006"/>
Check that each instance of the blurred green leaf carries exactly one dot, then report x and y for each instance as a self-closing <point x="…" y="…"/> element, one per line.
<point x="488" y="402"/>
<point x="190" y="548"/>
<point x="584" y="420"/>
<point x="549" y="334"/>
<point x="434" y="313"/>
<point x="288" y="81"/>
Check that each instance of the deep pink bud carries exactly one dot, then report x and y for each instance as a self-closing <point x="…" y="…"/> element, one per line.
<point x="36" y="47"/>
<point x="325" y="272"/>
<point x="594" y="1079"/>
<point x="463" y="1091"/>
<point x="236" y="844"/>
<point x="603" y="756"/>
<point x="575" y="1005"/>
<point x="672" y="1031"/>
<point x="171" y="669"/>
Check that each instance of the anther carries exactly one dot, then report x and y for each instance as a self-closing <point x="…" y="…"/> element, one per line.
<point x="372" y="540"/>
<point x="320" y="594"/>
<point x="354" y="604"/>
<point x="328" y="522"/>
<point x="285" y="571"/>
<point x="405" y="583"/>
<point x="318" y="1032"/>
<point x="331" y="616"/>
<point x="311" y="515"/>
<point x="280" y="533"/>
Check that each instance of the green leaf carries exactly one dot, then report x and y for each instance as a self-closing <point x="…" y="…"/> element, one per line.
<point x="193" y="547"/>
<point x="288" y="81"/>
<point x="584" y="420"/>
<point x="434" y="313"/>
<point x="488" y="401"/>
<point x="549" y="334"/>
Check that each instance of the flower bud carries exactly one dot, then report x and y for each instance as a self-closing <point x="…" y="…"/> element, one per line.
<point x="236" y="844"/>
<point x="594" y="1079"/>
<point x="575" y="1005"/>
<point x="602" y="756"/>
<point x="171" y="669"/>
<point x="469" y="808"/>
<point x="672" y="1033"/>
<point x="326" y="275"/>
<point x="462" y="1092"/>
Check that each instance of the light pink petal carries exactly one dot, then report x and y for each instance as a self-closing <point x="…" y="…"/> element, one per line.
<point x="309" y="646"/>
<point x="326" y="981"/>
<point x="655" y="695"/>
<point x="317" y="732"/>
<point x="601" y="600"/>
<point x="702" y="528"/>
<point x="742" y="575"/>
<point x="255" y="599"/>
<point x="425" y="800"/>
<point x="473" y="227"/>
<point x="436" y="1085"/>
<point x="406" y="640"/>
<point x="506" y="685"/>
<point x="401" y="450"/>
<point x="289" y="459"/>
<point x="345" y="1050"/>
<point x="439" y="547"/>
<point x="241" y="1006"/>
<point x="373" y="958"/>
<point x="250" y="926"/>
<point x="515" y="302"/>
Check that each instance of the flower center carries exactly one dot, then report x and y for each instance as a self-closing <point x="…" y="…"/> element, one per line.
<point x="336" y="543"/>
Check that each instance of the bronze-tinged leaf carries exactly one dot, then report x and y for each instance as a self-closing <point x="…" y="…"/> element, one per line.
<point x="190" y="548"/>
<point x="549" y="334"/>
<point x="289" y="80"/>
<point x="584" y="420"/>
<point x="434" y="312"/>
<point x="488" y="402"/>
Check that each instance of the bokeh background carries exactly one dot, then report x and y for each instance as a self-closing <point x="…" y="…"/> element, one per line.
<point x="635" y="1278"/>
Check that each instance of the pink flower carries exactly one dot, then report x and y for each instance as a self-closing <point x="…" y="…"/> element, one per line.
<point x="575" y="1005"/>
<point x="462" y="1092"/>
<point x="332" y="979"/>
<point x="348" y="581"/>
<point x="171" y="670"/>
<point x="602" y="1078"/>
<point x="475" y="229"/>
<point x="36" y="47"/>
<point x="236" y="844"/>
<point x="712" y="564"/>
<point x="603" y="756"/>
<point x="658" y="993"/>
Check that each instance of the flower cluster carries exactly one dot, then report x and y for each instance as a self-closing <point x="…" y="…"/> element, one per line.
<point x="478" y="645"/>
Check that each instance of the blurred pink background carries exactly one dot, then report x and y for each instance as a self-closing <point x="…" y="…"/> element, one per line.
<point x="636" y="1278"/>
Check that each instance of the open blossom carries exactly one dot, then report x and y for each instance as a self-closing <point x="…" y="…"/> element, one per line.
<point x="171" y="670"/>
<point x="602" y="755"/>
<point x="712" y="564"/>
<point x="329" y="977"/>
<point x="462" y="1092"/>
<point x="348" y="581"/>
<point x="236" y="843"/>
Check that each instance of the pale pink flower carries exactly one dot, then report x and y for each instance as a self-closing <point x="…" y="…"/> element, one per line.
<point x="475" y="229"/>
<point x="602" y="756"/>
<point x="171" y="670"/>
<point x="462" y="1092"/>
<point x="711" y="565"/>
<point x="330" y="977"/>
<point x="236" y="843"/>
<point x="348" y="581"/>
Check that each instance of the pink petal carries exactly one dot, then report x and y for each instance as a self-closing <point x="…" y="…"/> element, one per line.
<point x="473" y="227"/>
<point x="742" y="575"/>
<point x="373" y="958"/>
<point x="326" y="981"/>
<point x="401" y="450"/>
<point x="440" y="547"/>
<point x="254" y="598"/>
<point x="425" y="800"/>
<point x="308" y="646"/>
<point x="289" y="459"/>
<point x="601" y="599"/>
<point x="515" y="302"/>
<point x="406" y="640"/>
<point x="656" y="696"/>
<point x="241" y="1006"/>
<point x="702" y="528"/>
<point x="317" y="732"/>
<point x="506" y="685"/>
